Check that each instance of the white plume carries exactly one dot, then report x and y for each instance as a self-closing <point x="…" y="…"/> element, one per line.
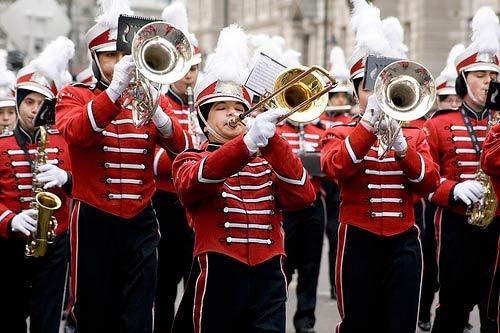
<point x="485" y="32"/>
<point x="176" y="14"/>
<point x="365" y="21"/>
<point x="231" y="58"/>
<point x="53" y="60"/>
<point x="338" y="65"/>
<point x="449" y="73"/>
<point x="7" y="78"/>
<point x="290" y="58"/>
<point x="111" y="11"/>
<point x="394" y="33"/>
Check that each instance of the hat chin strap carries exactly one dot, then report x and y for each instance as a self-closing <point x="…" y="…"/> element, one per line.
<point x="469" y="92"/>
<point x="217" y="136"/>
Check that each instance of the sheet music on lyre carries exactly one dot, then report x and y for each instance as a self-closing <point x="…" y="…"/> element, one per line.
<point x="264" y="73"/>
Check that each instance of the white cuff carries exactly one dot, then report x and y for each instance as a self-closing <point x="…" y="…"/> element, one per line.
<point x="163" y="123"/>
<point x="113" y="96"/>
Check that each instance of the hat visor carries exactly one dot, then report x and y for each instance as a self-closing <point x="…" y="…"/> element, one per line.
<point x="224" y="98"/>
<point x="36" y="88"/>
<point x="7" y="102"/>
<point x="110" y="47"/>
<point x="482" y="67"/>
<point x="196" y="59"/>
<point x="446" y="91"/>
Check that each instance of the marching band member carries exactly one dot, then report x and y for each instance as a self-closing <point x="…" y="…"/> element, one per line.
<point x="466" y="253"/>
<point x="339" y="98"/>
<point x="7" y="101"/>
<point x="34" y="286"/>
<point x="379" y="260"/>
<point x="235" y="198"/>
<point x="304" y="229"/>
<point x="447" y="99"/>
<point x="114" y="229"/>
<point x="339" y="104"/>
<point x="175" y="251"/>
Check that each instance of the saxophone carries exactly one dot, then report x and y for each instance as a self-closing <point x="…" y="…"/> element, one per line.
<point x="45" y="202"/>
<point x="481" y="213"/>
<point x="192" y="118"/>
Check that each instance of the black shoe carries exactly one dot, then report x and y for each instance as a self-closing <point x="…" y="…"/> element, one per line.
<point x="424" y="325"/>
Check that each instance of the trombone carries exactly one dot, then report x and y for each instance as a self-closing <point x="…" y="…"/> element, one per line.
<point x="405" y="91"/>
<point x="162" y="55"/>
<point x="300" y="89"/>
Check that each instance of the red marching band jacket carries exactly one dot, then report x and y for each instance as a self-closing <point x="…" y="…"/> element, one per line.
<point x="112" y="159"/>
<point x="490" y="158"/>
<point x="334" y="119"/>
<point x="452" y="149"/>
<point x="312" y="136"/>
<point x="16" y="186"/>
<point x="162" y="166"/>
<point x="377" y="195"/>
<point x="235" y="200"/>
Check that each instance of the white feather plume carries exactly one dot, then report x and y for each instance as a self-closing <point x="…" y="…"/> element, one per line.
<point x="7" y="78"/>
<point x="449" y="73"/>
<point x="231" y="58"/>
<point x="338" y="66"/>
<point x="394" y="33"/>
<point x="53" y="60"/>
<point x="176" y="14"/>
<point x="365" y="21"/>
<point x="291" y="58"/>
<point x="111" y="11"/>
<point x="485" y="32"/>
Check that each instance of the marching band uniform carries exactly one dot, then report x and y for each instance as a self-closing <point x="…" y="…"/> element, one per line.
<point x="175" y="251"/>
<point x="234" y="199"/>
<point x="114" y="229"/>
<point x="379" y="259"/>
<point x="425" y="210"/>
<point x="304" y="230"/>
<point x="33" y="287"/>
<point x="466" y="254"/>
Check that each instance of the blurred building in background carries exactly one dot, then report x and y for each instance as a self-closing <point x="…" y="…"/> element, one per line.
<point x="311" y="27"/>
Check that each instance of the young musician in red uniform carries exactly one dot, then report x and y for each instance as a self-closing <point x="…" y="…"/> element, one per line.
<point x="466" y="253"/>
<point x="234" y="197"/>
<point x="34" y="286"/>
<point x="379" y="260"/>
<point x="114" y="228"/>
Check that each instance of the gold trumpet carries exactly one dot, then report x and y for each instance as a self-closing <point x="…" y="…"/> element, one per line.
<point x="162" y="55"/>
<point x="300" y="89"/>
<point x="405" y="90"/>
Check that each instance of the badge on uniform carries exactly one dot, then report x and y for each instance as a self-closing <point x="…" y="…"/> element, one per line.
<point x="374" y="65"/>
<point x="128" y="25"/>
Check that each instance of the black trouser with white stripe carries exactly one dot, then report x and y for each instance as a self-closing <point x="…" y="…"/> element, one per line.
<point x="32" y="287"/>
<point x="175" y="255"/>
<point x="304" y="230"/>
<point x="224" y="295"/>
<point x="378" y="281"/>
<point x="115" y="270"/>
<point x="424" y="218"/>
<point x="332" y="224"/>
<point x="466" y="260"/>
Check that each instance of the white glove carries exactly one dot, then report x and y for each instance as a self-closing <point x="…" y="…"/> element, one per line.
<point x="122" y="74"/>
<point x="51" y="176"/>
<point x="24" y="222"/>
<point x="400" y="145"/>
<point x="248" y="121"/>
<point x="162" y="122"/>
<point x="469" y="191"/>
<point x="372" y="112"/>
<point x="262" y="128"/>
